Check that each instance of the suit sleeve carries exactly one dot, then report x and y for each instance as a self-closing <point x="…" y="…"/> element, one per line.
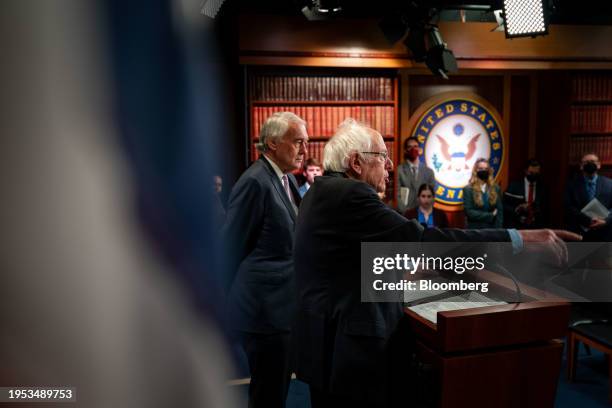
<point x="245" y="213"/>
<point x="499" y="217"/>
<point x="431" y="178"/>
<point x="400" y="206"/>
<point x="573" y="214"/>
<point x="510" y="204"/>
<point x="608" y="204"/>
<point x="391" y="226"/>
<point x="473" y="213"/>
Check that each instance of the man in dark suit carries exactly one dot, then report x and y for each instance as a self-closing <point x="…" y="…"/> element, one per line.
<point x="352" y="353"/>
<point x="579" y="192"/>
<point x="261" y="217"/>
<point x="411" y="175"/>
<point x="525" y="199"/>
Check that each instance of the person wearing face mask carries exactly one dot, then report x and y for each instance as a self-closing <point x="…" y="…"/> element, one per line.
<point x="425" y="213"/>
<point x="482" y="199"/>
<point x="524" y="200"/>
<point x="411" y="174"/>
<point x="582" y="190"/>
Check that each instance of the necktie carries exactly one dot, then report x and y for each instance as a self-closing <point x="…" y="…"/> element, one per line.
<point x="530" y="209"/>
<point x="530" y="194"/>
<point x="286" y="186"/>
<point x="591" y="189"/>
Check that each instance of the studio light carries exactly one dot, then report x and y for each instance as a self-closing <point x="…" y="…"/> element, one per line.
<point x="210" y="8"/>
<point x="440" y="60"/>
<point x="524" y="18"/>
<point x="415" y="42"/>
<point x="321" y="9"/>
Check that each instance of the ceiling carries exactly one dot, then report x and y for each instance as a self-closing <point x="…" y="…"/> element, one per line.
<point x="583" y="12"/>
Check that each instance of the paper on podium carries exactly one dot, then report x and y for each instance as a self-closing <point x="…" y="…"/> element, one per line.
<point x="404" y="193"/>
<point x="470" y="300"/>
<point x="595" y="209"/>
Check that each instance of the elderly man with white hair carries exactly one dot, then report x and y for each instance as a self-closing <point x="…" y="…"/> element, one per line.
<point x="347" y="353"/>
<point x="259" y="227"/>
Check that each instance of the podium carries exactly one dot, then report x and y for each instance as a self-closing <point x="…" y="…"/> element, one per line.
<point x="495" y="356"/>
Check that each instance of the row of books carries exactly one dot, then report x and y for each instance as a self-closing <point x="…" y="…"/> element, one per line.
<point x="600" y="145"/>
<point x="322" y="121"/>
<point x="591" y="119"/>
<point x="315" y="149"/>
<point x="592" y="87"/>
<point x="295" y="88"/>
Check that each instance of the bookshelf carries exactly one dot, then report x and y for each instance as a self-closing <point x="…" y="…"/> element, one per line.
<point x="324" y="99"/>
<point x="591" y="116"/>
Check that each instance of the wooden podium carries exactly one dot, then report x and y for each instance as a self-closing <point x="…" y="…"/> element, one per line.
<point x="495" y="356"/>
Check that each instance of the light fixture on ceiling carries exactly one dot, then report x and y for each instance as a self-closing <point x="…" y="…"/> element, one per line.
<point x="439" y="59"/>
<point x="525" y="18"/>
<point x="210" y="8"/>
<point x="321" y="9"/>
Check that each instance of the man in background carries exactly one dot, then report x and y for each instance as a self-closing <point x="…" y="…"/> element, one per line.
<point x="312" y="169"/>
<point x="525" y="199"/>
<point x="582" y="190"/>
<point x="412" y="174"/>
<point x="217" y="203"/>
<point x="259" y="230"/>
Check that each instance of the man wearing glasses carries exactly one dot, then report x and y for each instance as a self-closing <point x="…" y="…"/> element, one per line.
<point x="582" y="191"/>
<point x="346" y="350"/>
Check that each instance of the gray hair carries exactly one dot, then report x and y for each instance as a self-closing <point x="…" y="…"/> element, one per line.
<point x="275" y="127"/>
<point x="351" y="137"/>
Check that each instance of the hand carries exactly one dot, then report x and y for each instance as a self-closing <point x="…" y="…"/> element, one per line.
<point x="549" y="244"/>
<point x="495" y="212"/>
<point x="597" y="223"/>
<point x="522" y="208"/>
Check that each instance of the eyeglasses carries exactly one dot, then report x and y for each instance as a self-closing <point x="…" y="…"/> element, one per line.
<point x="384" y="155"/>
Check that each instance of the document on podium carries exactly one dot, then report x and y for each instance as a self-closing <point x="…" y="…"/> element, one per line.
<point x="595" y="209"/>
<point x="413" y="296"/>
<point x="469" y="300"/>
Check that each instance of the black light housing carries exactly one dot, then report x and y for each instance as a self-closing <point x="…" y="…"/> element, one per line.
<point x="440" y="60"/>
<point x="415" y="42"/>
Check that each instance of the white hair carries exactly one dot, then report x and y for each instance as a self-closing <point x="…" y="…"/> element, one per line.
<point x="276" y="126"/>
<point x="351" y="137"/>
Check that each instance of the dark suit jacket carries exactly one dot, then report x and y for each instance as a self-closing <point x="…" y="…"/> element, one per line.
<point x="482" y="217"/>
<point x="342" y="341"/>
<point x="515" y="196"/>
<point x="576" y="198"/>
<point x="404" y="175"/>
<point x="439" y="217"/>
<point x="259" y="230"/>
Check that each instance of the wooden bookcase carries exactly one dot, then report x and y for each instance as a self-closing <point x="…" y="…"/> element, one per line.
<point x="591" y="116"/>
<point x="324" y="98"/>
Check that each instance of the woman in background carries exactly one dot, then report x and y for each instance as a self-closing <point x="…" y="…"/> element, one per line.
<point x="425" y="213"/>
<point x="482" y="199"/>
